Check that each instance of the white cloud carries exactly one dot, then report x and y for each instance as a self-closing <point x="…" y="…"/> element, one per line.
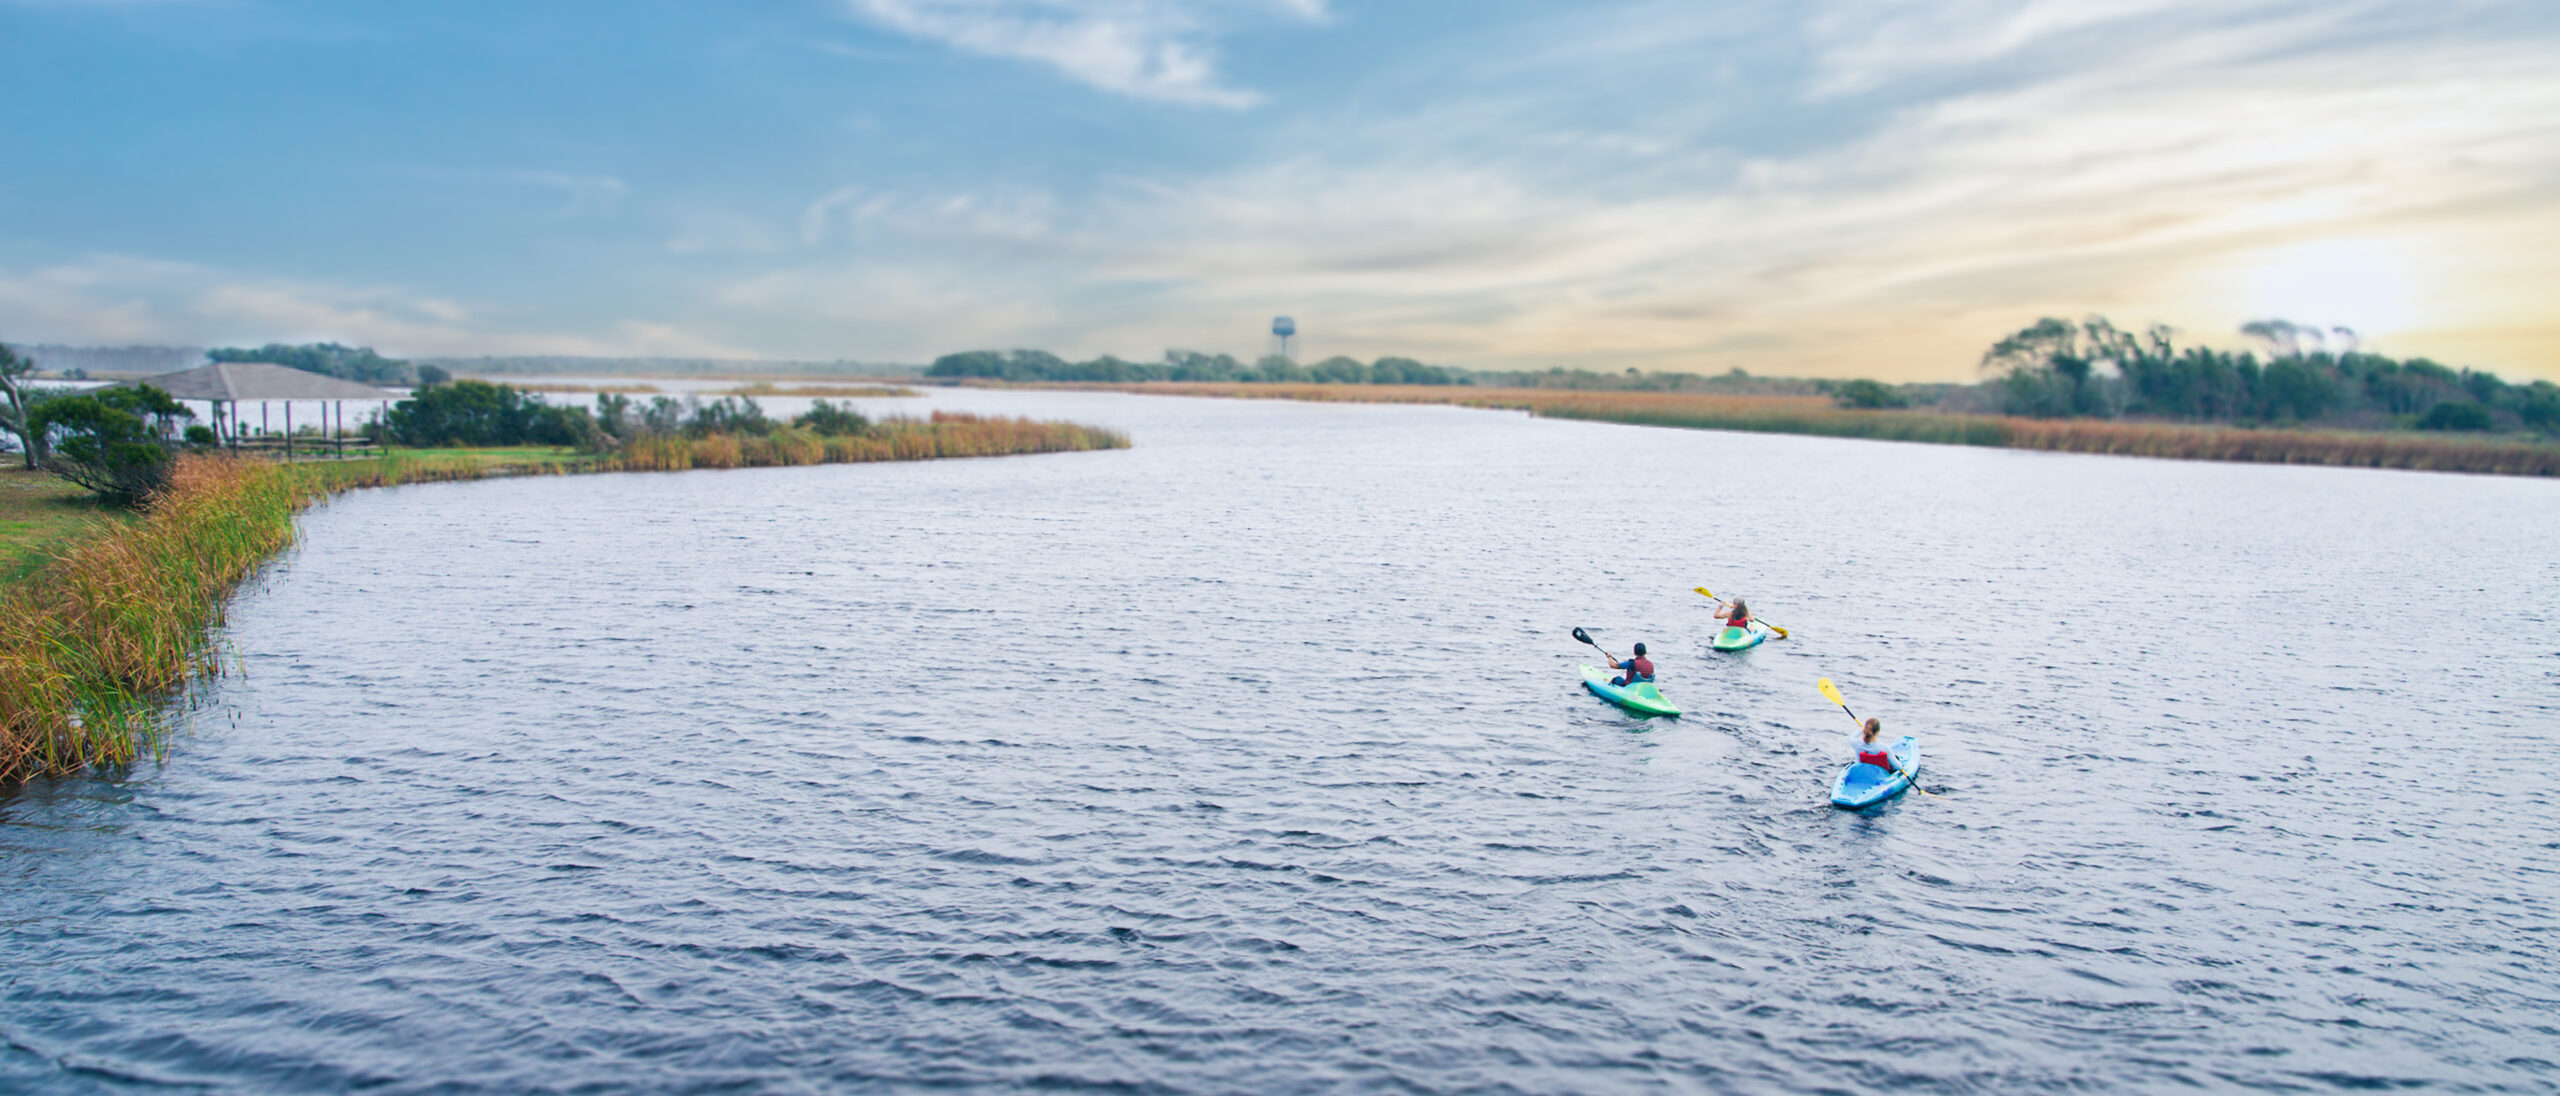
<point x="2120" y="182"/>
<point x="1147" y="49"/>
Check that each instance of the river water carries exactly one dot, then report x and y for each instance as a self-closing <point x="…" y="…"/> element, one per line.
<point x="1253" y="759"/>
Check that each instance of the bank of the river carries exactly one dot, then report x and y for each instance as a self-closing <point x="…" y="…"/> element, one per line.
<point x="105" y="617"/>
<point x="1819" y="416"/>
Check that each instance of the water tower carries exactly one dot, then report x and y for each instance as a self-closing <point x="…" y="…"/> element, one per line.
<point x="1284" y="329"/>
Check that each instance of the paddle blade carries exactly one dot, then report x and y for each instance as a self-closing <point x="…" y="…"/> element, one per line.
<point x="1585" y="637"/>
<point x="1830" y="692"/>
<point x="1706" y="593"/>
<point x="1782" y="633"/>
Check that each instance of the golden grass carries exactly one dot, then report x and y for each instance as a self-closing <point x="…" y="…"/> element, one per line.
<point x="1819" y="416"/>
<point x="824" y="391"/>
<point x="572" y="387"/>
<point x="91" y="645"/>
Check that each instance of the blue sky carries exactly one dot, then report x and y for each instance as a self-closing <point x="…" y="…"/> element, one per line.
<point x="1835" y="187"/>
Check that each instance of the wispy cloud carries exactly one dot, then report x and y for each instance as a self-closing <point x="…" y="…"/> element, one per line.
<point x="1147" y="49"/>
<point x="2134" y="177"/>
<point x="126" y="300"/>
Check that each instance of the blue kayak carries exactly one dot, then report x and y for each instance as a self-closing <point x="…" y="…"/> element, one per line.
<point x="1641" y="698"/>
<point x="1864" y="785"/>
<point x="1738" y="639"/>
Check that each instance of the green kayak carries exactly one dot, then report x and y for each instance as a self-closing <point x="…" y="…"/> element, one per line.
<point x="1736" y="639"/>
<point x="1641" y="698"/>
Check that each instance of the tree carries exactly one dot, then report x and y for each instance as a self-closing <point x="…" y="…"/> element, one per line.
<point x="16" y="409"/>
<point x="2044" y="369"/>
<point x="111" y="440"/>
<point x="2283" y="337"/>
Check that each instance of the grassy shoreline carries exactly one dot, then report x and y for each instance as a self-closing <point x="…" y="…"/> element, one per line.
<point x="1816" y="415"/>
<point x="108" y="619"/>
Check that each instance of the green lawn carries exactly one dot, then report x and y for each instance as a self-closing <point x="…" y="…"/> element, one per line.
<point x="500" y="456"/>
<point x="39" y="514"/>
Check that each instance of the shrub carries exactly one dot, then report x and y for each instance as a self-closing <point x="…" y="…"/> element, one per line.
<point x="480" y="413"/>
<point x="1869" y="395"/>
<point x="718" y="451"/>
<point x="791" y="445"/>
<point x="728" y="415"/>
<point x="657" y="453"/>
<point x="2456" y="415"/>
<point x="832" y="420"/>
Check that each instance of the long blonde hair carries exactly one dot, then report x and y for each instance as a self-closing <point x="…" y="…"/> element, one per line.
<point x="1874" y="727"/>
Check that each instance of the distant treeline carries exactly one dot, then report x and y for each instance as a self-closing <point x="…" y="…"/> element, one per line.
<point x="1191" y="366"/>
<point x="554" y="366"/>
<point x="80" y="361"/>
<point x="355" y="363"/>
<point x="2092" y="369"/>
<point x="1185" y="365"/>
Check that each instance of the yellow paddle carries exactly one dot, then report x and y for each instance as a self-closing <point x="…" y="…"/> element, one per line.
<point x="1832" y="693"/>
<point x="1711" y="596"/>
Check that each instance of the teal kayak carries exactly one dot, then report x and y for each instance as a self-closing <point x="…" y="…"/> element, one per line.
<point x="1641" y="698"/>
<point x="1864" y="785"/>
<point x="1737" y="639"/>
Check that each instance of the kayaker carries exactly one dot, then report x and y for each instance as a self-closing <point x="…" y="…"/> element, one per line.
<point x="1637" y="669"/>
<point x="1871" y="752"/>
<point x="1740" y="617"/>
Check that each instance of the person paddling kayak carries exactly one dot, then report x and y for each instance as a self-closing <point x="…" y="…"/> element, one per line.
<point x="1637" y="669"/>
<point x="1739" y="616"/>
<point x="1870" y="751"/>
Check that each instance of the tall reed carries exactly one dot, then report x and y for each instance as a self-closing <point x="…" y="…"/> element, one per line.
<point x="91" y="646"/>
<point x="1818" y="416"/>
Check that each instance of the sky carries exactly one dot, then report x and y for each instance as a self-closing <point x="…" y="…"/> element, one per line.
<point x="1812" y="188"/>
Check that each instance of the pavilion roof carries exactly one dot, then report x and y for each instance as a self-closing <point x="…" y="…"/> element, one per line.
<point x="260" y="381"/>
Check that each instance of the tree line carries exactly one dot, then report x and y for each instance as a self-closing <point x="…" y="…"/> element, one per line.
<point x="1197" y="367"/>
<point x="478" y="413"/>
<point x="354" y="363"/>
<point x="1186" y="365"/>
<point x="2310" y="376"/>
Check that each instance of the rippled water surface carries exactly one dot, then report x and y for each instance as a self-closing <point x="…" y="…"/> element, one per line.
<point x="1253" y="759"/>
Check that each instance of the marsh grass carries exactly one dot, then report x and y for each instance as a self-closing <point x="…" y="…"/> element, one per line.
<point x="839" y="391"/>
<point x="106" y="639"/>
<point x="945" y="434"/>
<point x="1819" y="416"/>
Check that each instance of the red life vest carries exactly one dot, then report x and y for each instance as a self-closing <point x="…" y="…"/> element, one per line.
<point x="1638" y="669"/>
<point x="1876" y="757"/>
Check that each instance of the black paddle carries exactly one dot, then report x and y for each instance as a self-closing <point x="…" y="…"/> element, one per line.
<point x="1595" y="645"/>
